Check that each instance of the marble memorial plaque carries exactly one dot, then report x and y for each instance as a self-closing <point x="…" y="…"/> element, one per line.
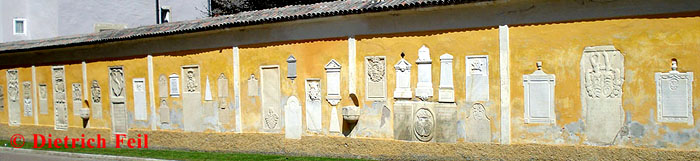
<point x="292" y="118"/>
<point x="424" y="88"/>
<point x="291" y="67"/>
<point x="270" y="100"/>
<point x="96" y="99"/>
<point x="253" y="86"/>
<point x="539" y="96"/>
<point x="43" y="100"/>
<point x="14" y="109"/>
<point x="174" y="85"/>
<point x="313" y="105"/>
<point x="59" y="97"/>
<point x="674" y="95"/>
<point x="602" y="77"/>
<point x="193" y="114"/>
<point x="403" y="79"/>
<point x="333" y="82"/>
<point x="139" y="89"/>
<point x="446" y="122"/>
<point x="446" y="93"/>
<point x="375" y="74"/>
<point x="164" y="112"/>
<point x="403" y="120"/>
<point x="477" y="78"/>
<point x="77" y="98"/>
<point x="117" y="98"/>
<point x="162" y="86"/>
<point x="27" y="98"/>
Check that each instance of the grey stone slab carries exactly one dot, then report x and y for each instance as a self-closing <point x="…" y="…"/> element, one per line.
<point x="270" y="99"/>
<point x="292" y="118"/>
<point x="446" y="122"/>
<point x="27" y="98"/>
<point x="446" y="91"/>
<point x="139" y="90"/>
<point x="477" y="78"/>
<point x="13" y="100"/>
<point x="403" y="112"/>
<point x="162" y="86"/>
<point x="602" y="77"/>
<point x="117" y="98"/>
<point x="478" y="124"/>
<point x="314" y="115"/>
<point x="674" y="95"/>
<point x="192" y="99"/>
<point x="59" y="97"/>
<point x="291" y="67"/>
<point x="77" y="98"/>
<point x="164" y="112"/>
<point x="96" y="99"/>
<point x="43" y="99"/>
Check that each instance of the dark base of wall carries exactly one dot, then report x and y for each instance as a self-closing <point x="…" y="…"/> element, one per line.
<point x="324" y="146"/>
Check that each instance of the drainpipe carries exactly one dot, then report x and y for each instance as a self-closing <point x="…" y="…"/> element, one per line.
<point x="157" y="12"/>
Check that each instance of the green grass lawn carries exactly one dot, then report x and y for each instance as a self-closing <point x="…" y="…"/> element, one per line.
<point x="171" y="154"/>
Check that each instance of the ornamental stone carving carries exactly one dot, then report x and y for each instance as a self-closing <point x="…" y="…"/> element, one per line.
<point x="116" y="76"/>
<point x="59" y="96"/>
<point x="375" y="72"/>
<point x="12" y="85"/>
<point x="314" y="90"/>
<point x="77" y="92"/>
<point x="191" y="83"/>
<point x="602" y="76"/>
<point x="539" y="96"/>
<point x="424" y="124"/>
<point x="96" y="92"/>
<point x="477" y="78"/>
<point x="27" y="93"/>
<point x="271" y="119"/>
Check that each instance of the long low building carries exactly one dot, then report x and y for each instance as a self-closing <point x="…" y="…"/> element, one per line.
<point x="374" y="79"/>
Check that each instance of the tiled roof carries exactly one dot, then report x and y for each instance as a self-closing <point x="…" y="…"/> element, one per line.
<point x="287" y="13"/>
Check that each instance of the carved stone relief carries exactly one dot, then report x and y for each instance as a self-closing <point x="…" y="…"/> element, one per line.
<point x="117" y="97"/>
<point x="96" y="99"/>
<point x="539" y="96"/>
<point x="164" y="112"/>
<point x="375" y="72"/>
<point x="193" y="115"/>
<point x="2" y="98"/>
<point x="174" y="85"/>
<point x="77" y="98"/>
<point x="270" y="100"/>
<point x="162" y="86"/>
<point x="292" y="118"/>
<point x="252" y="86"/>
<point x="674" y="95"/>
<point x="14" y="110"/>
<point x="43" y="99"/>
<point x="403" y="79"/>
<point x="59" y="96"/>
<point x="27" y="98"/>
<point x="333" y="82"/>
<point x="602" y="73"/>
<point x="424" y="124"/>
<point x="139" y="90"/>
<point x="478" y="124"/>
<point x="313" y="105"/>
<point x="291" y="67"/>
<point x="222" y="86"/>
<point x="424" y="88"/>
<point x="446" y="93"/>
<point x="477" y="78"/>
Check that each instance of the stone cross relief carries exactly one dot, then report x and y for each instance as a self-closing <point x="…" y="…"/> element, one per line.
<point x="674" y="95"/>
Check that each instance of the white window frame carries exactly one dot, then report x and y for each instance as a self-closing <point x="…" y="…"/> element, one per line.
<point x="24" y="26"/>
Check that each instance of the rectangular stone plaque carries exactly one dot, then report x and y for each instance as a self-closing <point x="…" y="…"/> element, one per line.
<point x="162" y="86"/>
<point x="43" y="100"/>
<point x="117" y="98"/>
<point x="270" y="100"/>
<point x="119" y="118"/>
<point x="252" y="86"/>
<point x="27" y="98"/>
<point x="174" y="85"/>
<point x="96" y="99"/>
<point x="403" y="120"/>
<point x="375" y="74"/>
<point x="192" y="99"/>
<point x="313" y="105"/>
<point x="77" y="98"/>
<point x="477" y="78"/>
<point x="59" y="96"/>
<point x="139" y="89"/>
<point x="674" y="92"/>
<point x="14" y="110"/>
<point x="539" y="97"/>
<point x="446" y="122"/>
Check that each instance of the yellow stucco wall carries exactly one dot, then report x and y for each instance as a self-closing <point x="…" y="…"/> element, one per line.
<point x="311" y="57"/>
<point x="648" y="45"/>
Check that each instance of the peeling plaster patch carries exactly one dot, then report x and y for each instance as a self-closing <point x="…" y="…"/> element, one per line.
<point x="636" y="129"/>
<point x="386" y="115"/>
